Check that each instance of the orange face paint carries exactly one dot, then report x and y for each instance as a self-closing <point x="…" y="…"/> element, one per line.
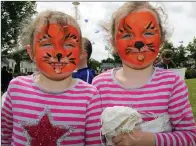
<point x="57" y="50"/>
<point x="138" y="39"/>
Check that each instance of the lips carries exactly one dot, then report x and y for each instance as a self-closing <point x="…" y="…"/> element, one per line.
<point x="57" y="66"/>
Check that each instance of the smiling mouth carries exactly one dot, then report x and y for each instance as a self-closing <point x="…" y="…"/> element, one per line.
<point x="57" y="66"/>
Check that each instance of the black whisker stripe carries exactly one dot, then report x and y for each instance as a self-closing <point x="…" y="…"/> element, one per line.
<point x="149" y="25"/>
<point x="69" y="54"/>
<point x="121" y="30"/>
<point x="46" y="57"/>
<point x="152" y="27"/>
<point x="48" y="54"/>
<point x="75" y="37"/>
<point x="72" y="58"/>
<point x="73" y="62"/>
<point x="77" y="41"/>
<point x="49" y="36"/>
<point x="150" y="44"/>
<point x="67" y="36"/>
<point x="151" y="49"/>
<point x="71" y="36"/>
<point x="129" y="27"/>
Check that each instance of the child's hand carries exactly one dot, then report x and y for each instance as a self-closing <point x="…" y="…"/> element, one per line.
<point x="137" y="138"/>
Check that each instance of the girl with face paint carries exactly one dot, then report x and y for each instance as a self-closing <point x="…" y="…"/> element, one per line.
<point x="50" y="108"/>
<point x="136" y="35"/>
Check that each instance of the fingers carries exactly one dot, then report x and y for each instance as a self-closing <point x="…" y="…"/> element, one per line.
<point x="117" y="139"/>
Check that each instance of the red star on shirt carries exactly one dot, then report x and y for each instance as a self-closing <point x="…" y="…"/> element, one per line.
<point x="44" y="133"/>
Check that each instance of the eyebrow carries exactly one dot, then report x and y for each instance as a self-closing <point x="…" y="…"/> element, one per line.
<point x="46" y="36"/>
<point x="150" y="26"/>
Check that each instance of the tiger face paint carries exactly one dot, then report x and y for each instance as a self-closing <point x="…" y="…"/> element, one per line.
<point x="138" y="39"/>
<point x="57" y="50"/>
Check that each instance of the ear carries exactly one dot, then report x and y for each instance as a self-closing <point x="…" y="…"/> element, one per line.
<point x="29" y="51"/>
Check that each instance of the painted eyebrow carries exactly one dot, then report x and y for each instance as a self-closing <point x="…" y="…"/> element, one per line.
<point x="46" y="36"/>
<point x="150" y="26"/>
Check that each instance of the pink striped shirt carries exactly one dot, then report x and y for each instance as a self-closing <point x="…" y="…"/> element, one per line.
<point x="71" y="118"/>
<point x="165" y="93"/>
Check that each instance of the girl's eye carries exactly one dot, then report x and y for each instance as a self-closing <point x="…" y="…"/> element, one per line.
<point x="127" y="36"/>
<point x="68" y="46"/>
<point x="148" y="34"/>
<point x="47" y="45"/>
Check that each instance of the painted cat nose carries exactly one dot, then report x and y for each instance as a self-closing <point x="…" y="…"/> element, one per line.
<point x="59" y="56"/>
<point x="139" y="45"/>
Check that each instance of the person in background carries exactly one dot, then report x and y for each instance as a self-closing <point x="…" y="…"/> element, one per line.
<point x="10" y="75"/>
<point x="166" y="60"/>
<point x="83" y="72"/>
<point x="4" y="79"/>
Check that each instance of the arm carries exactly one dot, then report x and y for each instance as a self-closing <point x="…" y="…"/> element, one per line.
<point x="6" y="121"/>
<point x="184" y="128"/>
<point x="93" y="124"/>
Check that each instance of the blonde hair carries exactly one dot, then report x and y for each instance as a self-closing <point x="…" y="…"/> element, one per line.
<point x="129" y="7"/>
<point x="31" y="27"/>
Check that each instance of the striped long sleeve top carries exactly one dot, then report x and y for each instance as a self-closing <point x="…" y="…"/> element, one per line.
<point x="165" y="93"/>
<point x="33" y="117"/>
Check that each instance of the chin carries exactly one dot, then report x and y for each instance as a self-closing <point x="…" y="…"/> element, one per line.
<point x="138" y="67"/>
<point x="57" y="77"/>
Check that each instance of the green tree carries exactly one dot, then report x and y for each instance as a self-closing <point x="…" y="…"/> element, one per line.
<point x="93" y="64"/>
<point x="192" y="49"/>
<point x="180" y="56"/>
<point x="12" y="14"/>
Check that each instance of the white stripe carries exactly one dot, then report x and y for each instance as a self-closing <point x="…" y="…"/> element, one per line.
<point x="87" y="76"/>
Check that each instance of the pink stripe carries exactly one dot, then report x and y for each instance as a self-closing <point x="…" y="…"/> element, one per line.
<point x="7" y="105"/>
<point x="30" y="107"/>
<point x="134" y="99"/>
<point x="52" y="96"/>
<point x="93" y="108"/>
<point x="163" y="77"/>
<point x="181" y="138"/>
<point x="17" y="144"/>
<point x="26" y="115"/>
<point x="158" y="142"/>
<point x="93" y="121"/>
<point x="165" y="140"/>
<point x="68" y="111"/>
<point x="22" y="138"/>
<point x="79" y="141"/>
<point x="92" y="128"/>
<point x="48" y="102"/>
<point x="69" y="119"/>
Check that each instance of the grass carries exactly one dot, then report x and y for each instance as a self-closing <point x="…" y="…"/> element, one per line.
<point x="191" y="83"/>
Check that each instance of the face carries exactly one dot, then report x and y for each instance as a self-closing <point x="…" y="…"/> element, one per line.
<point x="138" y="39"/>
<point x="57" y="50"/>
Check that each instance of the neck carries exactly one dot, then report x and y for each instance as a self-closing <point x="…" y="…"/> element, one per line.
<point x="52" y="85"/>
<point x="131" y="73"/>
<point x="82" y="64"/>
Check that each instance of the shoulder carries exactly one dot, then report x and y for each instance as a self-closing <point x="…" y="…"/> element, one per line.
<point x="102" y="77"/>
<point x="168" y="76"/>
<point x="87" y="87"/>
<point x="20" y="79"/>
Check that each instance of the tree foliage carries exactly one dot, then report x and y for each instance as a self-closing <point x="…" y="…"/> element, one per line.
<point x="12" y="14"/>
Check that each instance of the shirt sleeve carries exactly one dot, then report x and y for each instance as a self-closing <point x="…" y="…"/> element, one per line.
<point x="6" y="121"/>
<point x="181" y="117"/>
<point x="93" y="122"/>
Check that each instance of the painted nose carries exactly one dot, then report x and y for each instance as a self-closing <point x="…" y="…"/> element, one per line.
<point x="59" y="56"/>
<point x="139" y="45"/>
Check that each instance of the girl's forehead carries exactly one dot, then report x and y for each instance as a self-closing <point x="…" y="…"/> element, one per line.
<point x="150" y="13"/>
<point x="55" y="28"/>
